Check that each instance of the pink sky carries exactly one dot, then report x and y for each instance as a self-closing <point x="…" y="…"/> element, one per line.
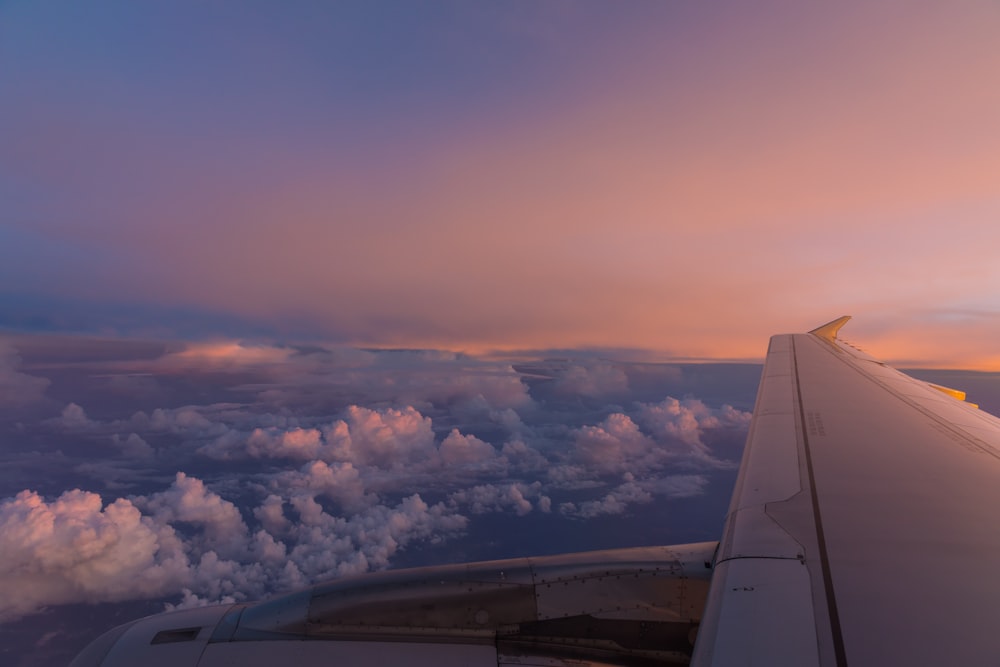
<point x="687" y="181"/>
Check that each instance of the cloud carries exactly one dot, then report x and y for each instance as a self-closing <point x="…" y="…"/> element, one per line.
<point x="671" y="434"/>
<point x="458" y="449"/>
<point x="687" y="421"/>
<point x="17" y="389"/>
<point x="187" y="421"/>
<point x="133" y="446"/>
<point x="189" y="538"/>
<point x="340" y="482"/>
<point x="387" y="438"/>
<point x="501" y="497"/>
<point x="328" y="546"/>
<point x="382" y="438"/>
<point x="596" y="378"/>
<point x="616" y="502"/>
<point x="188" y="501"/>
<point x="221" y="356"/>
<point x="615" y="445"/>
<point x="636" y="492"/>
<point x="74" y="418"/>
<point x="267" y="443"/>
<point x="75" y="550"/>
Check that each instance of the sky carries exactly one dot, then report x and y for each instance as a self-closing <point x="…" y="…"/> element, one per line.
<point x="293" y="291"/>
<point x="683" y="179"/>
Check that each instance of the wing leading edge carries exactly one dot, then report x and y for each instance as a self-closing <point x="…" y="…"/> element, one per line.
<point x="863" y="529"/>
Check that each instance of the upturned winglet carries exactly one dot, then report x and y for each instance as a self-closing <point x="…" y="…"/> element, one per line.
<point x="830" y="329"/>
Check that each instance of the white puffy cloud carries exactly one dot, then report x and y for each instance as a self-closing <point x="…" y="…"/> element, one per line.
<point x="636" y="492"/>
<point x="687" y="421"/>
<point x="328" y="546"/>
<point x="186" y="421"/>
<point x="458" y="449"/>
<point x="338" y="481"/>
<point x="401" y="440"/>
<point x="266" y="443"/>
<point x="522" y="457"/>
<point x="387" y="438"/>
<point x="593" y="379"/>
<point x="188" y="538"/>
<point x="615" y="445"/>
<point x="329" y="479"/>
<point x="190" y="502"/>
<point x="74" y="418"/>
<point x="615" y="502"/>
<point x="75" y="550"/>
<point x="271" y="514"/>
<point x="133" y="446"/>
<point x="485" y="498"/>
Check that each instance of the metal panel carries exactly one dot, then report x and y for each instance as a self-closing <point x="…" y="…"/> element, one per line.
<point x="303" y="653"/>
<point x="897" y="516"/>
<point x="762" y="615"/>
<point x="136" y="647"/>
<point x="761" y="607"/>
<point x="909" y="495"/>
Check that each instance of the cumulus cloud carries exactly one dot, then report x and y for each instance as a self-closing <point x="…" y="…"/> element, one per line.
<point x="687" y="421"/>
<point x="458" y="449"/>
<point x="615" y="502"/>
<point x="188" y="501"/>
<point x="384" y="438"/>
<point x="388" y="438"/>
<point x="185" y="421"/>
<point x="616" y="445"/>
<point x="133" y="446"/>
<point x="74" y="418"/>
<point x="672" y="432"/>
<point x="340" y="481"/>
<point x="188" y="422"/>
<point x="75" y="549"/>
<point x="593" y="379"/>
<point x="328" y="545"/>
<point x="270" y="443"/>
<point x="633" y="492"/>
<point x="485" y="498"/>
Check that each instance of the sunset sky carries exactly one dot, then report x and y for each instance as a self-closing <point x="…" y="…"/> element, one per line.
<point x="298" y="290"/>
<point x="686" y="178"/>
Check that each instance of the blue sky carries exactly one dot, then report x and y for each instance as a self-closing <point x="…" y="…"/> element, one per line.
<point x="681" y="179"/>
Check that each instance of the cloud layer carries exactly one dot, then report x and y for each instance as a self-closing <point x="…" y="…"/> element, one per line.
<point x="232" y="500"/>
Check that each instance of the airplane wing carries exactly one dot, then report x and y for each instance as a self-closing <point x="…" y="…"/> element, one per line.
<point x="622" y="606"/>
<point x="863" y="530"/>
<point x="865" y="525"/>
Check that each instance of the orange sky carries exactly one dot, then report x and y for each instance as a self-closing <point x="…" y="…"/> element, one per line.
<point x="688" y="181"/>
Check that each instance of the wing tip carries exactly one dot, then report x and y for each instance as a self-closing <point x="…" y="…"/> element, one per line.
<point x="830" y="329"/>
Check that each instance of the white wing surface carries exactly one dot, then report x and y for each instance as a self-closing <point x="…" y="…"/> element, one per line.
<point x="865" y="524"/>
